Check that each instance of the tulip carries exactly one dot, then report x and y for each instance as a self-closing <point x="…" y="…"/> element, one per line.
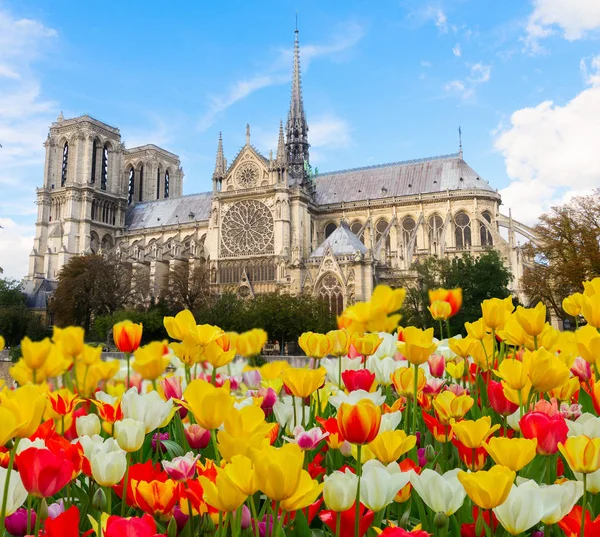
<point x="474" y="433"/>
<point x="572" y="523"/>
<point x="359" y="423"/>
<point x="127" y="336"/>
<point x="473" y="459"/>
<point x="442" y="493"/>
<point x="532" y="319"/>
<point x="496" y="312"/>
<point x="180" y="326"/>
<point x="513" y="453"/>
<point x="440" y="310"/>
<point x="196" y="436"/>
<point x="549" y="431"/>
<point x="130" y="434"/>
<point x="339" y="491"/>
<point x="314" y="345"/>
<point x="442" y="433"/>
<point x="306" y="493"/>
<point x="449" y="407"/>
<point x="498" y="401"/>
<point x="130" y="527"/>
<point x="380" y="484"/>
<point x="362" y="379"/>
<point x="16" y="493"/>
<point x="251" y="343"/>
<point x="307" y="440"/>
<point x="389" y="446"/>
<point x="66" y="524"/>
<point x="566" y="391"/>
<point x="418" y="345"/>
<point x="290" y="413"/>
<point x="347" y="521"/>
<point x="456" y="370"/>
<point x="35" y="353"/>
<point x="515" y="380"/>
<point x="16" y="524"/>
<point x="148" y="408"/>
<point x="588" y="343"/>
<point x="567" y="493"/>
<point x="582" y="453"/>
<point x="339" y="341"/>
<point x="524" y="507"/>
<point x="476" y="330"/>
<point x="482" y="352"/>
<point x="241" y="473"/>
<point x="216" y="356"/>
<point x="573" y="304"/>
<point x="581" y="369"/>
<point x="43" y="473"/>
<point x="403" y="380"/>
<point x="453" y="297"/>
<point x="108" y="463"/>
<point x="63" y="401"/>
<point x="2" y="343"/>
<point x="303" y="382"/>
<point x="151" y="360"/>
<point x="334" y="438"/>
<point x="437" y="363"/>
<point x="586" y="424"/>
<point x="488" y="489"/>
<point x="513" y="333"/>
<point x="366" y="345"/>
<point x="354" y="397"/>
<point x="155" y="497"/>
<point x="390" y="420"/>
<point x="278" y="470"/>
<point x="545" y="370"/>
<point x="434" y="386"/>
<point x="590" y="309"/>
<point x="382" y="368"/>
<point x="243" y="429"/>
<point x="252" y="379"/>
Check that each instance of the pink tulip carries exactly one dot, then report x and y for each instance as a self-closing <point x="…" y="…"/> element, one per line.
<point x="437" y="365"/>
<point x="197" y="437"/>
<point x="570" y="412"/>
<point x="433" y="386"/>
<point x="581" y="369"/>
<point x="181" y="468"/>
<point x="307" y="440"/>
<point x="456" y="389"/>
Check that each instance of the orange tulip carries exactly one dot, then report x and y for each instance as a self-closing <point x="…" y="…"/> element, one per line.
<point x="451" y="296"/>
<point x="127" y="336"/>
<point x="403" y="380"/>
<point x="155" y="497"/>
<point x="359" y="423"/>
<point x="63" y="401"/>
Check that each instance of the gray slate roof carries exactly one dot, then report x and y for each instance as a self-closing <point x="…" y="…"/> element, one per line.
<point x="411" y="177"/>
<point x="37" y="293"/>
<point x="342" y="242"/>
<point x="170" y="211"/>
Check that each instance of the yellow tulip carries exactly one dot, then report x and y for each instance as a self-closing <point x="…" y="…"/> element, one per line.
<point x="9" y="425"/>
<point x="545" y="370"/>
<point x="418" y="344"/>
<point x="496" y="312"/>
<point x="461" y="346"/>
<point x="591" y="310"/>
<point x="273" y="370"/>
<point x="216" y="356"/>
<point x="207" y="334"/>
<point x="591" y="287"/>
<point x="448" y="406"/>
<point x="2" y="343"/>
<point x="453" y="297"/>
<point x="513" y="333"/>
<point x="241" y="473"/>
<point x="188" y="351"/>
<point x="582" y="453"/>
<point x="209" y="405"/>
<point x="303" y="382"/>
<point x="306" y="493"/>
<point x="488" y="489"/>
<point x="57" y="363"/>
<point x="151" y="360"/>
<point x="513" y="374"/>
<point x="223" y="494"/>
<point x="403" y="379"/>
<point x="89" y="355"/>
<point x="477" y="329"/>
<point x="547" y="339"/>
<point x="440" y="310"/>
<point x="70" y="340"/>
<point x="389" y="446"/>
<point x="35" y="353"/>
<point x="473" y="434"/>
<point x="250" y="343"/>
<point x="314" y="345"/>
<point x="456" y="370"/>
<point x="106" y="370"/>
<point x="27" y="403"/>
<point x="566" y="391"/>
<point x="278" y="470"/>
<point x="24" y="375"/>
<point x="532" y="319"/>
<point x="588" y="343"/>
<point x="388" y="299"/>
<point x="339" y="341"/>
<point x="183" y="324"/>
<point x="87" y="377"/>
<point x="573" y="304"/>
<point x="482" y="352"/>
<point x="243" y="429"/>
<point x="514" y="453"/>
<point x="367" y="344"/>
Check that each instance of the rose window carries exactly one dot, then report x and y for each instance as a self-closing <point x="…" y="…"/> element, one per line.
<point x="247" y="229"/>
<point x="247" y="175"/>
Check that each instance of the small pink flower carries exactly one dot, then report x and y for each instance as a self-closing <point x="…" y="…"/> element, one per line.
<point x="197" y="437"/>
<point x="307" y="440"/>
<point x="181" y="468"/>
<point x="570" y="412"/>
<point x="581" y="369"/>
<point x="433" y="386"/>
<point x="437" y="365"/>
<point x="269" y="396"/>
<point x="172" y="387"/>
<point x="457" y="389"/>
<point x="346" y="448"/>
<point x="547" y="407"/>
<point x="251" y="379"/>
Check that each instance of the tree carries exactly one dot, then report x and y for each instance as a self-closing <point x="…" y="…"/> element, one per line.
<point x="480" y="278"/>
<point x="188" y="287"/>
<point x="89" y="286"/>
<point x="566" y="252"/>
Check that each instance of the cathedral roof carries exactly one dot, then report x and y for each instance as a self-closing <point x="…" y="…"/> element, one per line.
<point x="411" y="177"/>
<point x="166" y="212"/>
<point x="341" y="242"/>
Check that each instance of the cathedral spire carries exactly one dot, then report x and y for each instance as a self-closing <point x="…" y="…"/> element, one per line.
<point x="297" y="127"/>
<point x="281" y="153"/>
<point x="220" y="162"/>
<point x="460" y="150"/>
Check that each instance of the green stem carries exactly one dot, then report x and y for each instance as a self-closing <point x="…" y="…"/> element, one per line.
<point x="441" y="329"/>
<point x="99" y="522"/>
<point x="254" y="516"/>
<point x="108" y="492"/>
<point x="338" y="523"/>
<point x="294" y="406"/>
<point x="520" y="404"/>
<point x="125" y="486"/>
<point x="11" y="463"/>
<point x="358" y="474"/>
<point x="29" y="514"/>
<point x="303" y="413"/>
<point x="535" y="343"/>
<point x="340" y="372"/>
<point x="213" y="436"/>
<point x="128" y="358"/>
<point x="415" y="389"/>
<point x="278" y="521"/>
<point x="38" y="518"/>
<point x="584" y="507"/>
<point x="214" y="376"/>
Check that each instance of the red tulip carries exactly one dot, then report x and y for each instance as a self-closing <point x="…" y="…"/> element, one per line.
<point x="571" y="524"/>
<point x="347" y="520"/>
<point x="468" y="530"/>
<point x="141" y="472"/>
<point x="442" y="433"/>
<point x="399" y="532"/>
<point x="131" y="527"/>
<point x="548" y="430"/>
<point x="44" y="473"/>
<point x="466" y="455"/>
<point x="498" y="400"/>
<point x="361" y="379"/>
<point x="64" y="525"/>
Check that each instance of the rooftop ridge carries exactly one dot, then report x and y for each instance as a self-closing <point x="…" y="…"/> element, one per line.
<point x="398" y="163"/>
<point x="141" y="203"/>
<point x="83" y="117"/>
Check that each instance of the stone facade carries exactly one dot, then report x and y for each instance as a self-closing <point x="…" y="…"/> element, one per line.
<point x="269" y="223"/>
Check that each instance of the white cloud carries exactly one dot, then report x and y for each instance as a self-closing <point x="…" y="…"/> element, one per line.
<point x="456" y="50"/>
<point x="16" y="243"/>
<point x="346" y="37"/>
<point x="576" y="19"/>
<point x="551" y="151"/>
<point x="458" y="87"/>
<point x="479" y="73"/>
<point x="425" y="63"/>
<point x="439" y="18"/>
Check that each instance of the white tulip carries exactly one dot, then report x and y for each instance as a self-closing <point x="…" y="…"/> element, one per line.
<point x="108" y="463"/>
<point x="25" y="443"/>
<point x="558" y="500"/>
<point x="88" y="425"/>
<point x="513" y="420"/>
<point x="148" y="408"/>
<point x="284" y="414"/>
<point x="331" y="365"/>
<point x="339" y="490"/>
<point x="105" y="398"/>
<point x="130" y="434"/>
<point x="90" y="444"/>
<point x="390" y="421"/>
<point x="354" y="397"/>
<point x="382" y="368"/>
<point x="387" y="348"/>
<point x="586" y="424"/>
<point x="592" y="481"/>
<point x="16" y="491"/>
<point x="379" y="484"/>
<point x="442" y="493"/>
<point x="525" y="507"/>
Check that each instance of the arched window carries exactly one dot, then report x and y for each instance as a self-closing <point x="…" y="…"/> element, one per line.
<point x="331" y="291"/>
<point x="380" y="229"/>
<point x="65" y="163"/>
<point x="435" y="224"/>
<point x="462" y="230"/>
<point x="93" y="210"/>
<point x="141" y="185"/>
<point x="131" y="187"/>
<point x="167" y="184"/>
<point x="408" y="226"/>
<point x="158" y="184"/>
<point x="104" y="177"/>
<point x="94" y="158"/>
<point x="355" y="228"/>
<point x="329" y="229"/>
<point x="484" y="235"/>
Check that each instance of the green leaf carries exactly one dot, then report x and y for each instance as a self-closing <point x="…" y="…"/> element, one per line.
<point x="301" y="528"/>
<point x="586" y="402"/>
<point x="317" y="533"/>
<point x="173" y="448"/>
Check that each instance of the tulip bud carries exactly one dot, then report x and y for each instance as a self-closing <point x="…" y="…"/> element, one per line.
<point x="180" y="517"/>
<point x="88" y="425"/>
<point x="130" y="434"/>
<point x="429" y="453"/>
<point x="43" y="510"/>
<point x="16" y="524"/>
<point x="440" y="520"/>
<point x="99" y="499"/>
<point x="246" y="518"/>
<point x="172" y="528"/>
<point x="197" y="437"/>
<point x="422" y="459"/>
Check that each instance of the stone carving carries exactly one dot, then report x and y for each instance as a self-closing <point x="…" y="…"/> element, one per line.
<point x="247" y="229"/>
<point x="247" y="175"/>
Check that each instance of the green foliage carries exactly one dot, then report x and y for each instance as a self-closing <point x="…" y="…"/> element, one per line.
<point x="480" y="278"/>
<point x="152" y="320"/>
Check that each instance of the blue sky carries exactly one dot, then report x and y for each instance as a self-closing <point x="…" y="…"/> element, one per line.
<point x="383" y="81"/>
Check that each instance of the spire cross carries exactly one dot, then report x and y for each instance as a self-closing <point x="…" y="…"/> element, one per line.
<point x="460" y="148"/>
